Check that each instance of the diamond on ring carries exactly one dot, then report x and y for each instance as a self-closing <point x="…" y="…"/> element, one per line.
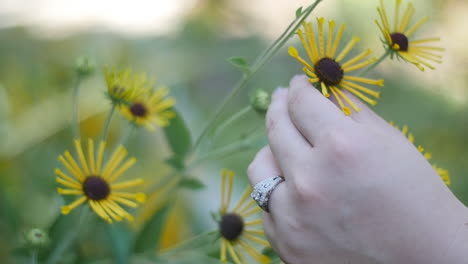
<point x="262" y="191"/>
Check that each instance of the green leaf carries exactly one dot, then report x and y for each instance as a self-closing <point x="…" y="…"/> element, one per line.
<point x="191" y="183"/>
<point x="120" y="237"/>
<point x="201" y="243"/>
<point x="150" y="234"/>
<point x="190" y="257"/>
<point x="270" y="252"/>
<point x="240" y="63"/>
<point x="299" y="12"/>
<point x="175" y="162"/>
<point x="178" y="136"/>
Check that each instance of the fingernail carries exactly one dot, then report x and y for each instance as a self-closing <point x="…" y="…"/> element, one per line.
<point x="279" y="91"/>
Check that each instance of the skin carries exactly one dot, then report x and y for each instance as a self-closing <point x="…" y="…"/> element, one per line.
<point x="355" y="190"/>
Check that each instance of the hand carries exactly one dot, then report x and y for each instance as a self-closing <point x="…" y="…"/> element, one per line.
<point x="355" y="191"/>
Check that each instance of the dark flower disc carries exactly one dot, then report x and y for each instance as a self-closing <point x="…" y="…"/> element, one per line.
<point x="231" y="226"/>
<point x="329" y="71"/>
<point x="138" y="110"/>
<point x="96" y="188"/>
<point x="401" y="40"/>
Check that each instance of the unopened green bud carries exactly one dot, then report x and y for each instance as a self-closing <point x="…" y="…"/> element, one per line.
<point x="84" y="66"/>
<point x="36" y="238"/>
<point x="260" y="101"/>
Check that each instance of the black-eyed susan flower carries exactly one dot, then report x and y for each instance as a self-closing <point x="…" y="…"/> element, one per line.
<point x="95" y="183"/>
<point x="124" y="85"/>
<point x="150" y="109"/>
<point x="236" y="231"/>
<point x="327" y="68"/>
<point x="443" y="173"/>
<point x="397" y="37"/>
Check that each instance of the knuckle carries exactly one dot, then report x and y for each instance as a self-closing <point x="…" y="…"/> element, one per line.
<point x="295" y="99"/>
<point x="304" y="191"/>
<point x="270" y="124"/>
<point x="339" y="145"/>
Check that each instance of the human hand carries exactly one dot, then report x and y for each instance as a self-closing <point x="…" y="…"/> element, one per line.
<point x="355" y="191"/>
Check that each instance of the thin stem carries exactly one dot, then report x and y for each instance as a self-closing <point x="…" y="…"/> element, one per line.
<point x="232" y="119"/>
<point x="376" y="63"/>
<point x="166" y="180"/>
<point x="75" y="115"/>
<point x="34" y="256"/>
<point x="105" y="131"/>
<point x="68" y="240"/>
<point x="260" y="61"/>
<point x="225" y="151"/>
<point x="126" y="134"/>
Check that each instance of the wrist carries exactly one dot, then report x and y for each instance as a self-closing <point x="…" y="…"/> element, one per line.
<point x="442" y="237"/>
<point x="456" y="250"/>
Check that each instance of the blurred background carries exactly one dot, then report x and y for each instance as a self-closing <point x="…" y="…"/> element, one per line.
<point x="184" y="44"/>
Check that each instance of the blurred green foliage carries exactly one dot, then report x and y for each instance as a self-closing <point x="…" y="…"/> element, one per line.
<point x="193" y="63"/>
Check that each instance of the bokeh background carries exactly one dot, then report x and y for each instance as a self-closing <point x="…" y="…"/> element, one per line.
<point x="184" y="45"/>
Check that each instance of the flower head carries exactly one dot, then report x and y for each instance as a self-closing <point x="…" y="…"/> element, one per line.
<point x="260" y="101"/>
<point x="327" y="68"/>
<point x="443" y="173"/>
<point x="84" y="66"/>
<point x="124" y="85"/>
<point x="150" y="109"/>
<point x="235" y="230"/>
<point x="96" y="184"/>
<point x="398" y="38"/>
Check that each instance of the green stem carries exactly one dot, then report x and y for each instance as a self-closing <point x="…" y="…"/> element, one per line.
<point x="105" y="131"/>
<point x="259" y="62"/>
<point x="225" y="151"/>
<point x="68" y="240"/>
<point x="168" y="178"/>
<point x="75" y="115"/>
<point x="376" y="63"/>
<point x="126" y="134"/>
<point x="232" y="119"/>
<point x="34" y="256"/>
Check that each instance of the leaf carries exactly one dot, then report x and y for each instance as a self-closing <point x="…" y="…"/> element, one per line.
<point x="191" y="183"/>
<point x="175" y="162"/>
<point x="120" y="237"/>
<point x="178" y="136"/>
<point x="299" y="12"/>
<point x="240" y="63"/>
<point x="201" y="243"/>
<point x="190" y="257"/>
<point x="150" y="234"/>
<point x="270" y="252"/>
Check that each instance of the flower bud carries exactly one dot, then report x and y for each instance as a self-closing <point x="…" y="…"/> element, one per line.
<point x="84" y="66"/>
<point x="36" y="238"/>
<point x="260" y="100"/>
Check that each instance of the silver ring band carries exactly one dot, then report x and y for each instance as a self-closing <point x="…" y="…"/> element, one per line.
<point x="262" y="191"/>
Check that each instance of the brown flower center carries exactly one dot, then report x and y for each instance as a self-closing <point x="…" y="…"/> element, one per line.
<point x="401" y="40"/>
<point x="96" y="188"/>
<point x="329" y="71"/>
<point x="231" y="226"/>
<point x="138" y="110"/>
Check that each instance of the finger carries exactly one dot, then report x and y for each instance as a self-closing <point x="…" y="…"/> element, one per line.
<point x="263" y="166"/>
<point x="365" y="115"/>
<point x="287" y="144"/>
<point x="310" y="111"/>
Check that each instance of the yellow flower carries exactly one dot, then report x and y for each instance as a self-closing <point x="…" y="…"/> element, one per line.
<point x="329" y="71"/>
<point x="398" y="39"/>
<point x="95" y="184"/>
<point x="444" y="174"/>
<point x="235" y="230"/>
<point x="150" y="109"/>
<point x="123" y="86"/>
